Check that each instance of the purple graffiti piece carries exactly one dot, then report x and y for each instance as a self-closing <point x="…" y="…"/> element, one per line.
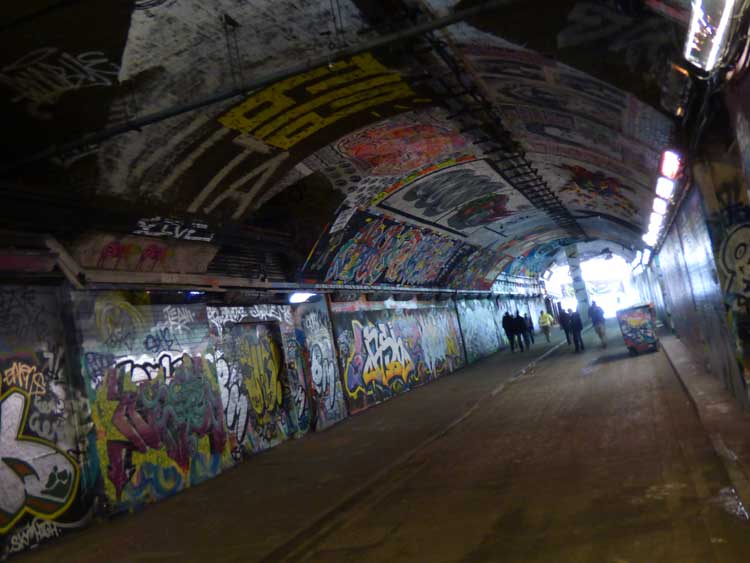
<point x="133" y="426"/>
<point x="355" y="369"/>
<point x="171" y="415"/>
<point x="120" y="469"/>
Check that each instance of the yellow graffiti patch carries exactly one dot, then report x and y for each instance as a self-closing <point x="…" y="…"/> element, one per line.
<point x="292" y="110"/>
<point x="24" y="377"/>
<point x="263" y="361"/>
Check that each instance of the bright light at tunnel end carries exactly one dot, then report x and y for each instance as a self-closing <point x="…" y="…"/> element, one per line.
<point x="301" y="297"/>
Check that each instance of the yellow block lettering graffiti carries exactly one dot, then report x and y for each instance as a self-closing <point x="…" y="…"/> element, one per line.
<point x="292" y="110"/>
<point x="263" y="362"/>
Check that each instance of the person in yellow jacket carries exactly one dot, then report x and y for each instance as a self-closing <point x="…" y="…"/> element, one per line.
<point x="545" y="321"/>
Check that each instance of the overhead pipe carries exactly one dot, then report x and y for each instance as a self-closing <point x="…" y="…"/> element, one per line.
<point x="98" y="137"/>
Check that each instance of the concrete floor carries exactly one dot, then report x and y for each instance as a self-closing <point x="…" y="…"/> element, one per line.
<point x="597" y="457"/>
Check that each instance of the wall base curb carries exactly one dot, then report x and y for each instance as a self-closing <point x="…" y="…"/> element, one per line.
<point x="734" y="466"/>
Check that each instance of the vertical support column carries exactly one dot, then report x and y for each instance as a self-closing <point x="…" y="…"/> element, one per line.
<point x="579" y="286"/>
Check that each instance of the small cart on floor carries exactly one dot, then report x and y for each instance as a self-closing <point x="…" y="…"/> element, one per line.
<point x="638" y="326"/>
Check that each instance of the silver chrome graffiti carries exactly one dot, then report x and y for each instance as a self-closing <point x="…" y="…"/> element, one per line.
<point x="171" y="228"/>
<point x="42" y="76"/>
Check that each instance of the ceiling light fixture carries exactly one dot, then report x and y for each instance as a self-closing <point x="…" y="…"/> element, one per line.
<point x="300" y="297"/>
<point x="660" y="206"/>
<point x="709" y="30"/>
<point x="664" y="187"/>
<point x="671" y="163"/>
<point x="656" y="221"/>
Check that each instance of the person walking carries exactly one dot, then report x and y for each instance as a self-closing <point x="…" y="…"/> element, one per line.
<point x="565" y="324"/>
<point x="596" y="314"/>
<point x="529" y="327"/>
<point x="545" y="323"/>
<point x="519" y="327"/>
<point x="508" y="327"/>
<point x="576" y="327"/>
<point x="519" y="330"/>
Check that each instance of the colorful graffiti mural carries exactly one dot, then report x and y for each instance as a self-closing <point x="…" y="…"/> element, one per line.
<point x="46" y="472"/>
<point x="459" y="198"/>
<point x="403" y="144"/>
<point x="260" y="373"/>
<point x="386" y="349"/>
<point x="313" y="330"/>
<point x="373" y="249"/>
<point x="155" y="399"/>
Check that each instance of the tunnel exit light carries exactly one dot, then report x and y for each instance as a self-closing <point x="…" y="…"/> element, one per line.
<point x="671" y="163"/>
<point x="665" y="188"/>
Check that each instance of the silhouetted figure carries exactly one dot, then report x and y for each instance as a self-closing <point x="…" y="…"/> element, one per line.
<point x="508" y="327"/>
<point x="519" y="330"/>
<point x="528" y="334"/>
<point x="565" y="323"/>
<point x="596" y="314"/>
<point x="576" y="327"/>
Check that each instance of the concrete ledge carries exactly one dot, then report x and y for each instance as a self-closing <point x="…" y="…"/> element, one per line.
<point x="726" y="423"/>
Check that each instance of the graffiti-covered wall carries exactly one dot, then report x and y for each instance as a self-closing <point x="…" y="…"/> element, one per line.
<point x="155" y="400"/>
<point x="481" y="326"/>
<point x="46" y="475"/>
<point x="387" y="348"/>
<point x="694" y="296"/>
<point x="313" y="331"/>
<point x="260" y="374"/>
<point x="113" y="400"/>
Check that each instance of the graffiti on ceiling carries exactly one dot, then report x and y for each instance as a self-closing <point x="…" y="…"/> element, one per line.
<point x="426" y="199"/>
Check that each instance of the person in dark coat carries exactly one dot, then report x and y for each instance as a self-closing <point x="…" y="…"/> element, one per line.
<point x="596" y="314"/>
<point x="519" y="330"/>
<point x="576" y="327"/>
<point x="565" y="324"/>
<point x="508" y="327"/>
<point x="529" y="329"/>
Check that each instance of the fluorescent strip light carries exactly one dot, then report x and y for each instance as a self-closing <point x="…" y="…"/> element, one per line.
<point x="300" y="297"/>
<point x="664" y="187"/>
<point x="670" y="164"/>
<point x="706" y="41"/>
<point x="656" y="220"/>
<point x="650" y="239"/>
<point x="660" y="206"/>
<point x="721" y="33"/>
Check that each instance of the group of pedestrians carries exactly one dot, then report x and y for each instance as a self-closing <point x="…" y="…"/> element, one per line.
<point x="520" y="329"/>
<point x="572" y="324"/>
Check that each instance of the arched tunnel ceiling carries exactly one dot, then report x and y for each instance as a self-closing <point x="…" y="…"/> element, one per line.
<point x="389" y="159"/>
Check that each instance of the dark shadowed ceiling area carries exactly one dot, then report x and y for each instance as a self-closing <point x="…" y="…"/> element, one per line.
<point x="443" y="159"/>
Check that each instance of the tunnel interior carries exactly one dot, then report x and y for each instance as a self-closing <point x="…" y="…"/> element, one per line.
<point x="172" y="171"/>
